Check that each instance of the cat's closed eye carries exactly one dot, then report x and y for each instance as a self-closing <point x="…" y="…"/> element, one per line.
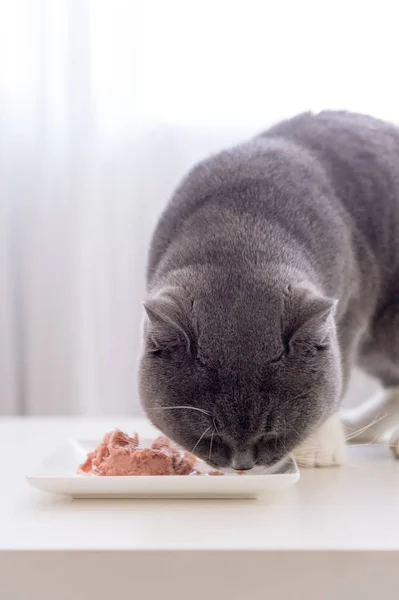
<point x="267" y="439"/>
<point x="276" y="359"/>
<point x="155" y="352"/>
<point x="310" y="349"/>
<point x="161" y="353"/>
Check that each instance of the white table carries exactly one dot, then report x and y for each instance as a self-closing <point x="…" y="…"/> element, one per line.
<point x="307" y="542"/>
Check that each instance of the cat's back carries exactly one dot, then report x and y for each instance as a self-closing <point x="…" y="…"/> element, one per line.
<point x="353" y="158"/>
<point x="262" y="180"/>
<point x="360" y="155"/>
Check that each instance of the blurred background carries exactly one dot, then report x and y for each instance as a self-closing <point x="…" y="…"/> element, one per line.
<point x="104" y="105"/>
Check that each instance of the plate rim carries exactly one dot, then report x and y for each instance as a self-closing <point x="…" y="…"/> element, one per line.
<point x="70" y="441"/>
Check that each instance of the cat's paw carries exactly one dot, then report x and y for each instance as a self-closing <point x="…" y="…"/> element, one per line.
<point x="326" y="447"/>
<point x="394" y="442"/>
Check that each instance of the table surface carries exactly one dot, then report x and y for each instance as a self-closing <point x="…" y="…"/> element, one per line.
<point x="350" y="508"/>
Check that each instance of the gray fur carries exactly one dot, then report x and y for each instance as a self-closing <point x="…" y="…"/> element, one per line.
<point x="273" y="269"/>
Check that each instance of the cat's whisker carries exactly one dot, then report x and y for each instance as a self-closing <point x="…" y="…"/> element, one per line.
<point x="353" y="435"/>
<point x="285" y="436"/>
<point x="324" y="464"/>
<point x="200" y="438"/>
<point x="295" y="431"/>
<point x="373" y="442"/>
<point x="215" y="426"/>
<point x="383" y="444"/>
<point x="201" y="410"/>
<point x="210" y="445"/>
<point x="358" y="432"/>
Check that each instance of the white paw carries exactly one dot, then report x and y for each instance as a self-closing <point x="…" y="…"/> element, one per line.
<point x="326" y="447"/>
<point x="394" y="442"/>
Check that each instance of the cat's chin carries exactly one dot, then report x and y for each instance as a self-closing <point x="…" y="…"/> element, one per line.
<point x="263" y="469"/>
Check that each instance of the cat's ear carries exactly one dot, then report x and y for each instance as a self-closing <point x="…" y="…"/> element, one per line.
<point x="168" y="320"/>
<point x="312" y="317"/>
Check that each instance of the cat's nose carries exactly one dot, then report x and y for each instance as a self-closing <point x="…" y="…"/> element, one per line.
<point x="243" y="461"/>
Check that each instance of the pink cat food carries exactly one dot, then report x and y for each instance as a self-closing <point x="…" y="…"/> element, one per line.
<point x="119" y="454"/>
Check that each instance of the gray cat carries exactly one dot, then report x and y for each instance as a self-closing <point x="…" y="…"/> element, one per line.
<point x="274" y="270"/>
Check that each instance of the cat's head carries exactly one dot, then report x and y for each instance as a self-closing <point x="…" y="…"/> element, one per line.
<point x="239" y="378"/>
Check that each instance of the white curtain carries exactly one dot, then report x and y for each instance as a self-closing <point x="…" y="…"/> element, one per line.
<point x="103" y="106"/>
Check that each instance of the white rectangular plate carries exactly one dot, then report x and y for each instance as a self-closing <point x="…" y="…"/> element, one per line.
<point x="57" y="474"/>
